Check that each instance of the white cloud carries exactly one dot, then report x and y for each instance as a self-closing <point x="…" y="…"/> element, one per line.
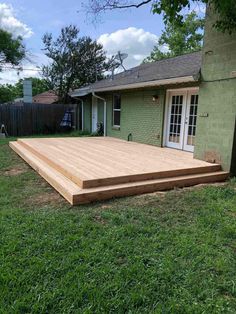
<point x="136" y="42"/>
<point x="10" y="23"/>
<point x="199" y="8"/>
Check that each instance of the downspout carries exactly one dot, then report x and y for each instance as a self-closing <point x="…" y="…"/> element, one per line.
<point x="105" y="112"/>
<point x="82" y="113"/>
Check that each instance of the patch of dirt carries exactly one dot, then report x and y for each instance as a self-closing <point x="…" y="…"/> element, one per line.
<point x="147" y="198"/>
<point x="198" y="186"/>
<point x="14" y="172"/>
<point x="99" y="219"/>
<point x="45" y="199"/>
<point x="158" y="193"/>
<point x="105" y="206"/>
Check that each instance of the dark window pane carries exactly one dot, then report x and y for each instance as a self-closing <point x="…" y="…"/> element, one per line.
<point x="191" y="110"/>
<point x="116" y="102"/>
<point x="181" y="100"/>
<point x="179" y="119"/>
<point x="190" y="120"/>
<point x="180" y="109"/>
<point x="190" y="130"/>
<point x="173" y="99"/>
<point x="178" y="129"/>
<point x="175" y="119"/>
<point x="175" y="128"/>
<point x="116" y="117"/>
<point x="192" y="99"/>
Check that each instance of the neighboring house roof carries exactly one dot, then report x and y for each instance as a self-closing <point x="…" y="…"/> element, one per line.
<point x="48" y="97"/>
<point x="185" y="68"/>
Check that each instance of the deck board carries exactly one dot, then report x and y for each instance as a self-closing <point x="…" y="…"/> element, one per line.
<point x="95" y="161"/>
<point x="83" y="170"/>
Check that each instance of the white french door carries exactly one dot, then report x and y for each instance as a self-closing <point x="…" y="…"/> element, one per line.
<point x="190" y="122"/>
<point x="181" y="119"/>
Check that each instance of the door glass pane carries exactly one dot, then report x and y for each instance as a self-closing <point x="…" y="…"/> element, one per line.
<point x="175" y="119"/>
<point x="192" y="119"/>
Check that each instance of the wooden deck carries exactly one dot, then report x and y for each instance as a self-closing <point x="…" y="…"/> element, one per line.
<point x="88" y="169"/>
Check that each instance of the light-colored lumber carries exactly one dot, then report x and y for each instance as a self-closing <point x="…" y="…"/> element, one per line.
<point x="202" y="173"/>
<point x="60" y="183"/>
<point x="147" y="186"/>
<point x="92" y="162"/>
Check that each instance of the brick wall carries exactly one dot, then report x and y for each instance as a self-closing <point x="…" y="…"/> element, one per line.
<point x="217" y="97"/>
<point x="140" y="116"/>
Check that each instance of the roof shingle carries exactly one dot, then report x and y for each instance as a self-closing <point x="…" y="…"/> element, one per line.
<point x="181" y="66"/>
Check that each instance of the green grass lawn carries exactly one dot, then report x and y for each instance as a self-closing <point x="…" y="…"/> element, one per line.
<point x="169" y="252"/>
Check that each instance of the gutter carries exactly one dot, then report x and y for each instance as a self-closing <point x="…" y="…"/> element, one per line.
<point x="177" y="80"/>
<point x="104" y="114"/>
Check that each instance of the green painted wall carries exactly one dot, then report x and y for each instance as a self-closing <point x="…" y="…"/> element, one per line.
<point x="217" y="99"/>
<point x="100" y="111"/>
<point x="87" y="113"/>
<point x="140" y="115"/>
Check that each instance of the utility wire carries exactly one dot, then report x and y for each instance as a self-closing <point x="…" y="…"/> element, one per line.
<point x="20" y="69"/>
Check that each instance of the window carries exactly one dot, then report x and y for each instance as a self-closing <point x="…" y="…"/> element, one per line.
<point x="116" y="110"/>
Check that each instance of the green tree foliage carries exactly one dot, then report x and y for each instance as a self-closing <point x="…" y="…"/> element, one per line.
<point x="179" y="39"/>
<point x="225" y="11"/>
<point x="38" y="86"/>
<point x="172" y="10"/>
<point x="76" y="61"/>
<point x="9" y="92"/>
<point x="12" y="50"/>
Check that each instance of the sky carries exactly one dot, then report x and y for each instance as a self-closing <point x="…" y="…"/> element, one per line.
<point x="133" y="31"/>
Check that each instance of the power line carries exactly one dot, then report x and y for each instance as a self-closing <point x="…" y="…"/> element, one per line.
<point x="20" y="69"/>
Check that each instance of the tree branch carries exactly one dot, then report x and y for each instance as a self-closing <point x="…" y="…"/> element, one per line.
<point x="97" y="6"/>
<point x="126" y="6"/>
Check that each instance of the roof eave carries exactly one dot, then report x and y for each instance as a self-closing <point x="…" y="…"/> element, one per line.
<point x="177" y="80"/>
<point x="80" y="92"/>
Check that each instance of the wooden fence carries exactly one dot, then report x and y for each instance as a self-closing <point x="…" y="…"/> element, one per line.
<point x="32" y="118"/>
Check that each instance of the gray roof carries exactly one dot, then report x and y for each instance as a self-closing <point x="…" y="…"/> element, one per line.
<point x="165" y="71"/>
<point x="181" y="66"/>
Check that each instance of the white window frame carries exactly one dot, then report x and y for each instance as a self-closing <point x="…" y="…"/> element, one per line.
<point x="114" y="109"/>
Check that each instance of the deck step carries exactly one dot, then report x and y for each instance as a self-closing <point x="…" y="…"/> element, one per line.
<point x="66" y="167"/>
<point x="147" y="186"/>
<point x="63" y="185"/>
<point x="75" y="195"/>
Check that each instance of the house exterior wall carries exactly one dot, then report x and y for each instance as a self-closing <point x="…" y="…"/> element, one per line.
<point x="100" y="111"/>
<point x="217" y="98"/>
<point x="140" y="116"/>
<point x="87" y="115"/>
